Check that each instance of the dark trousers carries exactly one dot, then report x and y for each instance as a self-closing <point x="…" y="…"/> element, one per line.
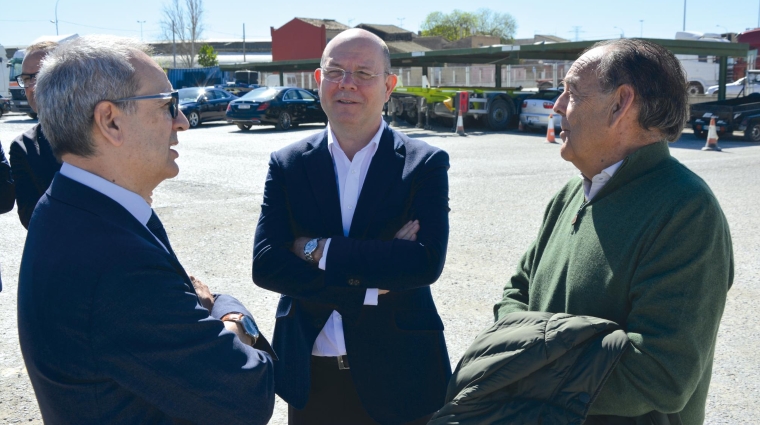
<point x="333" y="399"/>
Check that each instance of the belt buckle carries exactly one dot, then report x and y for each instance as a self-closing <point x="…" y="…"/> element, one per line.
<point x="343" y="363"/>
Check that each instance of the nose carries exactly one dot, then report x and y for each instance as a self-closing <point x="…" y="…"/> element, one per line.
<point x="347" y="80"/>
<point x="560" y="104"/>
<point x="180" y="123"/>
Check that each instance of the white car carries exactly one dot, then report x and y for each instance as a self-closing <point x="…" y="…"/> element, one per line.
<point x="733" y="89"/>
<point x="536" y="109"/>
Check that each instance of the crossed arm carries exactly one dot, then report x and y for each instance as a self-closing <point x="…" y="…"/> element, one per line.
<point x="413" y="258"/>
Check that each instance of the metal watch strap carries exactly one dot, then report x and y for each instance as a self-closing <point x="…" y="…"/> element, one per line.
<point x="308" y="255"/>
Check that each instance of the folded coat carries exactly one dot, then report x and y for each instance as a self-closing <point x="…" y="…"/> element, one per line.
<point x="533" y="367"/>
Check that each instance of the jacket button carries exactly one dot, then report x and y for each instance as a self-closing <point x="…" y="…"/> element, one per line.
<point x="353" y="282"/>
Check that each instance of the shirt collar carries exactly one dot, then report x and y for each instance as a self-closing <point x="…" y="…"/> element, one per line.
<point x="332" y="141"/>
<point x="608" y="172"/>
<point x="131" y="201"/>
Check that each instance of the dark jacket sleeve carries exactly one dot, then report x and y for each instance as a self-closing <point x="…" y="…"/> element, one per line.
<point x="395" y="264"/>
<point x="152" y="337"/>
<point x="7" y="192"/>
<point x="276" y="268"/>
<point x="27" y="194"/>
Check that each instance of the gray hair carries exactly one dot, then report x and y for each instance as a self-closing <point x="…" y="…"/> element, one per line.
<point x="657" y="78"/>
<point x="77" y="76"/>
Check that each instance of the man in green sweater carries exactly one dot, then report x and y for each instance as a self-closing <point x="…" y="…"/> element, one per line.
<point x="638" y="239"/>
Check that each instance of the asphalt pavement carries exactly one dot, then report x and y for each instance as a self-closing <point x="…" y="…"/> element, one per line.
<point x="500" y="183"/>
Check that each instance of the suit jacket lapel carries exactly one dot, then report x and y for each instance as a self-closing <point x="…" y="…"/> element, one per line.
<point x="324" y="184"/>
<point x="383" y="173"/>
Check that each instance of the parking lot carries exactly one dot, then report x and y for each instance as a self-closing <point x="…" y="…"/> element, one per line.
<point x="499" y="186"/>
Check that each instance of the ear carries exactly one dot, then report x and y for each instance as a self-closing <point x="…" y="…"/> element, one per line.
<point x="318" y="77"/>
<point x="108" y="120"/>
<point x="390" y="84"/>
<point x="622" y="104"/>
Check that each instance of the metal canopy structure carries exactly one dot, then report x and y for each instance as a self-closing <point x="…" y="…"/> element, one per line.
<point x="511" y="54"/>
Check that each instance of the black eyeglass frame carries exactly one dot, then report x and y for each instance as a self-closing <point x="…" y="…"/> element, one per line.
<point x="173" y="95"/>
<point x="20" y="79"/>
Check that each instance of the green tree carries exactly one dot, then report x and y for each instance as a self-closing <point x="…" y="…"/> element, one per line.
<point x="207" y="56"/>
<point x="459" y="24"/>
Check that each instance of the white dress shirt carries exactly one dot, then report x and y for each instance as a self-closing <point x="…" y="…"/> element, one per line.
<point x="593" y="186"/>
<point x="131" y="201"/>
<point x="350" y="176"/>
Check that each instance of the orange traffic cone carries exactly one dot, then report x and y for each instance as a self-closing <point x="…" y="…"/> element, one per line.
<point x="521" y="126"/>
<point x="460" y="124"/>
<point x="550" y="130"/>
<point x="712" y="138"/>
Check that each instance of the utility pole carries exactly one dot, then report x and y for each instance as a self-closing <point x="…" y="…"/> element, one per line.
<point x="401" y="22"/>
<point x="577" y="31"/>
<point x="174" y="45"/>
<point x="243" y="42"/>
<point x="684" y="15"/>
<point x="141" y="24"/>
<point x="56" y="17"/>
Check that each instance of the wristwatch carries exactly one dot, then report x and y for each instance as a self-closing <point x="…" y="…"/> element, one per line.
<point x="309" y="249"/>
<point x="249" y="326"/>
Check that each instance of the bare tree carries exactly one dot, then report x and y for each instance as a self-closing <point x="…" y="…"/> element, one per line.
<point x="183" y="21"/>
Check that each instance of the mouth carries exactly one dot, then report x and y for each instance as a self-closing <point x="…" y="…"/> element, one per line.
<point x="347" y="102"/>
<point x="563" y="134"/>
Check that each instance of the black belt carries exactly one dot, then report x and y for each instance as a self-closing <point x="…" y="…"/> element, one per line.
<point x="341" y="361"/>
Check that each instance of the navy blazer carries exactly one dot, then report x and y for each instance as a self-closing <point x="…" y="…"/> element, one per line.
<point x="396" y="349"/>
<point x="112" y="331"/>
<point x="7" y="193"/>
<point x="33" y="166"/>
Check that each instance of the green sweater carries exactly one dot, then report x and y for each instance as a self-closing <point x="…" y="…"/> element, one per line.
<point x="651" y="252"/>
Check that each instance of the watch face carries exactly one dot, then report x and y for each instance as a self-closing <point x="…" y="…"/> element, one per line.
<point x="310" y="246"/>
<point x="250" y="327"/>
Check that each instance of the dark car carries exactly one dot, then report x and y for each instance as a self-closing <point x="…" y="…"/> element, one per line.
<point x="283" y="107"/>
<point x="203" y="104"/>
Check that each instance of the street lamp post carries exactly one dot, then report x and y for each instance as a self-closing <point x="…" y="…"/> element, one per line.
<point x="684" y="15"/>
<point x="622" y="33"/>
<point x="641" y="31"/>
<point x="141" y="24"/>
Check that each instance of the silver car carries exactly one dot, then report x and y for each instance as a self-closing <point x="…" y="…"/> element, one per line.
<point x="536" y="109"/>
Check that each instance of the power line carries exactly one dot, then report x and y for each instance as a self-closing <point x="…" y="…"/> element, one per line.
<point x="100" y="28"/>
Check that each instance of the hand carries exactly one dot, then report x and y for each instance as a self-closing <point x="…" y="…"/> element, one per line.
<point x="204" y="294"/>
<point x="300" y="243"/>
<point x="237" y="329"/>
<point x="409" y="231"/>
<point x="382" y="291"/>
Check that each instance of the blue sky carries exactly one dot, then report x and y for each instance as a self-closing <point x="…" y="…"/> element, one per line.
<point x="594" y="20"/>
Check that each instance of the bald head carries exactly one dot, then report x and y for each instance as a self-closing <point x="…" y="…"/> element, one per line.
<point x="359" y="35"/>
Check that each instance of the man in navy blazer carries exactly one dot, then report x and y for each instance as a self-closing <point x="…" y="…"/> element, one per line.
<point x="112" y="329"/>
<point x="353" y="231"/>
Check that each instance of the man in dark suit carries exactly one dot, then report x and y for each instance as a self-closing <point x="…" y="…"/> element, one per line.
<point x="32" y="161"/>
<point x="7" y="196"/>
<point x="353" y="231"/>
<point x="111" y="328"/>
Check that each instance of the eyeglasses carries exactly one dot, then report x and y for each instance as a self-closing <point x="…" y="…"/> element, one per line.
<point x="361" y="78"/>
<point x="174" y="96"/>
<point x="26" y="80"/>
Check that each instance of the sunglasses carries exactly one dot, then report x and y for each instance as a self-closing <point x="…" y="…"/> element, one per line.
<point x="173" y="105"/>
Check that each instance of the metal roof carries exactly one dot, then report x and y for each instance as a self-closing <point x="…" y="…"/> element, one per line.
<point x="507" y="54"/>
